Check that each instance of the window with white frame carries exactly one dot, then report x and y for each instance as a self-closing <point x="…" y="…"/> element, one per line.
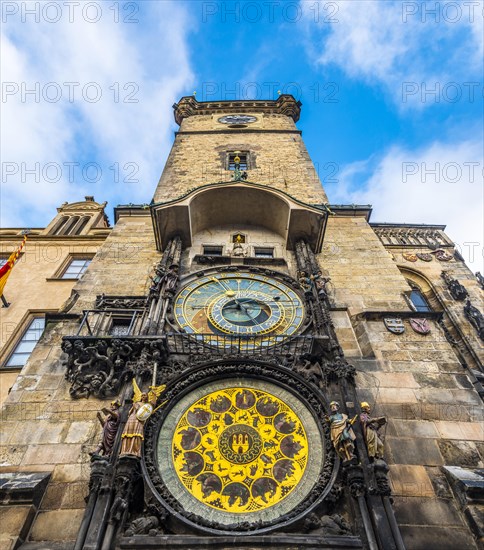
<point x="26" y="344"/>
<point x="263" y="252"/>
<point x="76" y="268"/>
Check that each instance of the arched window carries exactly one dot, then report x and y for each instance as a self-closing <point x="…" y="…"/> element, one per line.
<point x="60" y="225"/>
<point x="81" y="225"/>
<point x="69" y="226"/>
<point x="418" y="299"/>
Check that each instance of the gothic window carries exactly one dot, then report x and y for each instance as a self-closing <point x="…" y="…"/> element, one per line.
<point x="212" y="250"/>
<point x="418" y="300"/>
<point x="244" y="157"/>
<point x="76" y="268"/>
<point x="26" y="344"/>
<point x="263" y="252"/>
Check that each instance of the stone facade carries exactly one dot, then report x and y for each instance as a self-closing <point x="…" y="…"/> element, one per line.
<point x="35" y="286"/>
<point x="425" y="379"/>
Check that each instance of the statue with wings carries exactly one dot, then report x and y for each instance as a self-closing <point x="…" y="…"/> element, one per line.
<point x="143" y="407"/>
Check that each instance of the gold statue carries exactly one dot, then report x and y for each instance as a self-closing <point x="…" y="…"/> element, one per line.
<point x="342" y="434"/>
<point x="143" y="407"/>
<point x="370" y="427"/>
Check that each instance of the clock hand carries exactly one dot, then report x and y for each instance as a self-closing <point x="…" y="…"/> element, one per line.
<point x="226" y="288"/>
<point x="246" y="311"/>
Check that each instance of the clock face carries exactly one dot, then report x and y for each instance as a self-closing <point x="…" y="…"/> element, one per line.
<point x="239" y="304"/>
<point x="237" y="119"/>
<point x="239" y="451"/>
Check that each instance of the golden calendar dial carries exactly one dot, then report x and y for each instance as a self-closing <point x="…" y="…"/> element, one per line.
<point x="240" y="304"/>
<point x="239" y="451"/>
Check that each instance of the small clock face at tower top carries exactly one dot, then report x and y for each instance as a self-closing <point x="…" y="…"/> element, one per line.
<point x="237" y="119"/>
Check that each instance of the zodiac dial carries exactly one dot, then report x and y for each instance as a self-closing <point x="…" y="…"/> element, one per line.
<point x="239" y="450"/>
<point x="240" y="304"/>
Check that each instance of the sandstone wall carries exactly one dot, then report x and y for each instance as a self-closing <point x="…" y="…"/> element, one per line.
<point x="278" y="158"/>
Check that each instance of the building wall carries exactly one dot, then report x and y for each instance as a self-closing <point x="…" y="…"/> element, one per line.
<point x="435" y="415"/>
<point x="35" y="286"/>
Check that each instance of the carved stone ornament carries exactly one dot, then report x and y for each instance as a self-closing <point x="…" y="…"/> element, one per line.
<point x="229" y="453"/>
<point x="120" y="302"/>
<point x="410" y="257"/>
<point x="99" y="367"/>
<point x="480" y="279"/>
<point x="422" y="326"/>
<point x="457" y="290"/>
<point x="425" y="257"/>
<point x="394" y="325"/>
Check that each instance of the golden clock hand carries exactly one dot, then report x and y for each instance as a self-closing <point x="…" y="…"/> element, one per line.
<point x="227" y="290"/>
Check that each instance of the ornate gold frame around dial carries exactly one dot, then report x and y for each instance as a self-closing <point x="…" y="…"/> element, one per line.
<point x="267" y="479"/>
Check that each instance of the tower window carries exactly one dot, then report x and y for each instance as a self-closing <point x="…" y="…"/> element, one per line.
<point x="263" y="252"/>
<point x="26" y="344"/>
<point x="418" y="301"/>
<point x="243" y="161"/>
<point x="212" y="250"/>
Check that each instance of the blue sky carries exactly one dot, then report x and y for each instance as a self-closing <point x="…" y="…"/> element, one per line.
<point x="392" y="97"/>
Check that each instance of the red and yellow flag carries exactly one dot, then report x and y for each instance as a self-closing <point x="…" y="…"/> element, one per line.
<point x="6" y="269"/>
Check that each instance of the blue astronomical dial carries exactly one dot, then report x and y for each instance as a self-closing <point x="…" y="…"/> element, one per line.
<point x="239" y="303"/>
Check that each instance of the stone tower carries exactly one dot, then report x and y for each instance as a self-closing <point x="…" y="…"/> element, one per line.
<point x="272" y="370"/>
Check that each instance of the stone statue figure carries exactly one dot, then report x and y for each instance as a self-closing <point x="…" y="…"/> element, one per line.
<point x="370" y="426"/>
<point x="475" y="317"/>
<point x="320" y="283"/>
<point x="171" y="279"/>
<point x="342" y="434"/>
<point x="110" y="428"/>
<point x="164" y="280"/>
<point x="305" y="282"/>
<point x="238" y="249"/>
<point x="142" y="408"/>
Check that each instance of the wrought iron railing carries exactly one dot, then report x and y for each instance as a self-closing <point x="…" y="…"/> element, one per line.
<point x="99" y="324"/>
<point x="116" y="323"/>
<point x="262" y="346"/>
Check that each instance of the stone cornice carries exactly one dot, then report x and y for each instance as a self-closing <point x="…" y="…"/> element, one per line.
<point x="284" y="105"/>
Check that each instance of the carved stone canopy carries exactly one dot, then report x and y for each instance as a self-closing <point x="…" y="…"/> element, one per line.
<point x="239" y="203"/>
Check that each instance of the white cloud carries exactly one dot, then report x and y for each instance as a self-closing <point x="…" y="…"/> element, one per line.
<point x="390" y="43"/>
<point x="403" y="188"/>
<point x="149" y="61"/>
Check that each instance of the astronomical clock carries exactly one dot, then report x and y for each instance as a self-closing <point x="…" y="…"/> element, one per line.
<point x="239" y="304"/>
<point x="241" y="445"/>
<point x="234" y="419"/>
